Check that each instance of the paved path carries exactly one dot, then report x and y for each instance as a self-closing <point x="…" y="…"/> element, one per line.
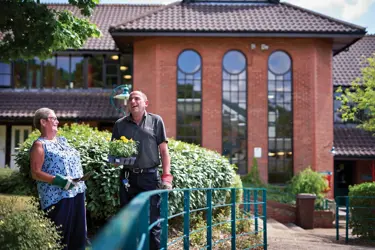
<point x="292" y="237"/>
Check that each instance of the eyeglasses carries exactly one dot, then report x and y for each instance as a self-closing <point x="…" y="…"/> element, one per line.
<point x="52" y="118"/>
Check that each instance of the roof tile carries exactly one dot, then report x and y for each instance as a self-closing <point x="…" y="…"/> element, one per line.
<point x="347" y="65"/>
<point x="224" y="17"/>
<point x="353" y="142"/>
<point x="105" y="15"/>
<point x="68" y="104"/>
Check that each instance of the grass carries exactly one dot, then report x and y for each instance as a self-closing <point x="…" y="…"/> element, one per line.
<point x="21" y="202"/>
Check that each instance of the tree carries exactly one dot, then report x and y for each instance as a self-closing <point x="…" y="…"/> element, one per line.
<point x="30" y="29"/>
<point x="358" y="101"/>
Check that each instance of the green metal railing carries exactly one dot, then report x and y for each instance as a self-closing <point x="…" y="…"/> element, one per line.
<point x="130" y="228"/>
<point x="351" y="204"/>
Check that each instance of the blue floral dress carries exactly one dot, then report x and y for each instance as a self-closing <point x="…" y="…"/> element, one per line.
<point x="59" y="158"/>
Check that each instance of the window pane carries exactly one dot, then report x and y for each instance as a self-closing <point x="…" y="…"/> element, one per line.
<point x="5" y="68"/>
<point x="5" y="80"/>
<point x="234" y="62"/>
<point x="280" y="119"/>
<point x="34" y="76"/>
<point x="234" y="109"/>
<point x="63" y="72"/>
<point x="77" y="72"/>
<point x="95" y="72"/>
<point x="49" y="69"/>
<point x="20" y="74"/>
<point x="189" y="97"/>
<point x="189" y="61"/>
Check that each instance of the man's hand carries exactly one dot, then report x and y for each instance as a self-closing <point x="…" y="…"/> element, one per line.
<point x="166" y="181"/>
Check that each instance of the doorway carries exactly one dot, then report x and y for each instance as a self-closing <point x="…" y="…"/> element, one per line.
<point x="19" y="135"/>
<point x="344" y="177"/>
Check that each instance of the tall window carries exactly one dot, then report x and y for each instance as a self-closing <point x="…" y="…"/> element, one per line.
<point x="189" y="97"/>
<point x="280" y="118"/>
<point x="234" y="109"/>
<point x="5" y="74"/>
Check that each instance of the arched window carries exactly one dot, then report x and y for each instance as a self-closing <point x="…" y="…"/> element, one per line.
<point x="280" y="118"/>
<point x="234" y="109"/>
<point x="189" y="97"/>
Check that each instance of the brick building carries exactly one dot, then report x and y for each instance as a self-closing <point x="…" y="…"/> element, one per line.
<point x="245" y="78"/>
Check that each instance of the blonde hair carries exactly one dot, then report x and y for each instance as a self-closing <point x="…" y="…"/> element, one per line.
<point x="41" y="113"/>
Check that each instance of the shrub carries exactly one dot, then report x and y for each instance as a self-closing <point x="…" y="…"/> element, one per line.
<point x="362" y="209"/>
<point x="11" y="182"/>
<point x="26" y="229"/>
<point x="192" y="167"/>
<point x="253" y="178"/>
<point x="196" y="167"/>
<point x="308" y="181"/>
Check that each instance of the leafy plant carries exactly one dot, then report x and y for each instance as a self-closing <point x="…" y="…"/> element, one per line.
<point x="362" y="209"/>
<point x="123" y="147"/>
<point x="308" y="181"/>
<point x="253" y="177"/>
<point x="192" y="167"/>
<point x="11" y="182"/>
<point x="26" y="229"/>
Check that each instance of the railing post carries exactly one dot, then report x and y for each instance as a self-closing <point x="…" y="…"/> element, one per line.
<point x="164" y="224"/>
<point x="337" y="217"/>
<point x="209" y="219"/>
<point x="233" y="217"/>
<point x="186" y="219"/>
<point x="256" y="210"/>
<point x="347" y="220"/>
<point x="264" y="220"/>
<point x="144" y="222"/>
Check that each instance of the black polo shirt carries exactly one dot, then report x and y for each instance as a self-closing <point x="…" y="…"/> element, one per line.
<point x="150" y="133"/>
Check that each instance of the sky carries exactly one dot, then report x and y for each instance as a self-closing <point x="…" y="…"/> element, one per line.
<point x="360" y="12"/>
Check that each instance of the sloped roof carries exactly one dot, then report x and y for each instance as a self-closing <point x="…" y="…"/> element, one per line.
<point x="68" y="104"/>
<point x="104" y="16"/>
<point x="347" y="65"/>
<point x="353" y="142"/>
<point x="235" y="17"/>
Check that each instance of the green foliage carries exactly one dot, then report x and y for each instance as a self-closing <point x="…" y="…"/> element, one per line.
<point x="102" y="187"/>
<point x="253" y="178"/>
<point x="123" y="147"/>
<point x="30" y="29"/>
<point x="191" y="166"/>
<point x="308" y="181"/>
<point x="11" y="182"/>
<point x="26" y="229"/>
<point x="196" y="167"/>
<point x="362" y="209"/>
<point x="358" y="101"/>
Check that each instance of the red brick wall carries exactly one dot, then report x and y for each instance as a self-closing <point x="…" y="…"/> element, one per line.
<point x="155" y="74"/>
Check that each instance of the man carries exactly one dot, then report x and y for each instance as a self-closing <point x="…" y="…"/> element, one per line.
<point x="148" y="129"/>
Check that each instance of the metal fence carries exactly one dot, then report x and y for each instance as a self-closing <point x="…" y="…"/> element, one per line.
<point x="130" y="228"/>
<point x="357" y="217"/>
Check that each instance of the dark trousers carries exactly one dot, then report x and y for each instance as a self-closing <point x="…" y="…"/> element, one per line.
<point x="140" y="183"/>
<point x="70" y="215"/>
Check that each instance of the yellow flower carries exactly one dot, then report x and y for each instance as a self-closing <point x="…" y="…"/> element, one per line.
<point x="122" y="138"/>
<point x="108" y="138"/>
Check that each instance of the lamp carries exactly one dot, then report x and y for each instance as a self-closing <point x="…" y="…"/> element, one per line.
<point x="123" y="68"/>
<point x="123" y="96"/>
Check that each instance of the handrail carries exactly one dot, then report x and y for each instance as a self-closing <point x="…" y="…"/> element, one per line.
<point x="130" y="228"/>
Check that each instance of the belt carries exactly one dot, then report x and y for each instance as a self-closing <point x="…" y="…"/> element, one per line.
<point x="141" y="170"/>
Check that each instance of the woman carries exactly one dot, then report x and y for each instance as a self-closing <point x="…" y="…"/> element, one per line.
<point x="54" y="164"/>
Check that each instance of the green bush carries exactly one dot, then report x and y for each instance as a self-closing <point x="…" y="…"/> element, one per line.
<point x="11" y="182"/>
<point x="26" y="229"/>
<point x="253" y="179"/>
<point x="362" y="209"/>
<point x="308" y="181"/>
<point x="192" y="167"/>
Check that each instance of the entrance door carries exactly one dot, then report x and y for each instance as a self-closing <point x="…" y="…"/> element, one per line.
<point x="343" y="178"/>
<point x="19" y="135"/>
<point x="3" y="140"/>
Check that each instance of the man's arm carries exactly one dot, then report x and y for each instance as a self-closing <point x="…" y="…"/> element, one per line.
<point x="165" y="158"/>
